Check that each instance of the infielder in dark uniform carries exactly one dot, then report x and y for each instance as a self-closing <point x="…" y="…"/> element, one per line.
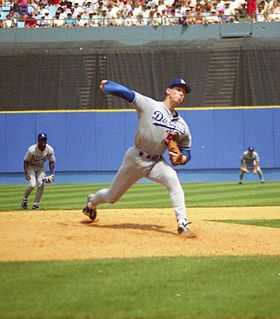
<point x="159" y="124"/>
<point x="250" y="162"/>
<point x="34" y="172"/>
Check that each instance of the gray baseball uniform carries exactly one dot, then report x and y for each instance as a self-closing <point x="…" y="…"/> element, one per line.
<point x="35" y="159"/>
<point x="144" y="159"/>
<point x="250" y="159"/>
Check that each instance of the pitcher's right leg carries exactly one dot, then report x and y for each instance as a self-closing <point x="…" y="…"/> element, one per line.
<point x="126" y="176"/>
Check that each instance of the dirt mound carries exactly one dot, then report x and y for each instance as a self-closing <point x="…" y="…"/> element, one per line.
<point x="68" y="235"/>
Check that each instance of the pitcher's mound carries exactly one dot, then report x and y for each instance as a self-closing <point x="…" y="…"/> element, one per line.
<point x="124" y="233"/>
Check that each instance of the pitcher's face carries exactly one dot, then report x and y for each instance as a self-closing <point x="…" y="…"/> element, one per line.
<point x="176" y="95"/>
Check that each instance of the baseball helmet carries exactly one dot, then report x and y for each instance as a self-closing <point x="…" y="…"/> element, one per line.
<point x="42" y="137"/>
<point x="179" y="82"/>
<point x="251" y="148"/>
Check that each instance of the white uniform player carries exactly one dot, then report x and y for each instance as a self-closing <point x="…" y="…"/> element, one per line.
<point x="250" y="162"/>
<point x="34" y="172"/>
<point x="144" y="159"/>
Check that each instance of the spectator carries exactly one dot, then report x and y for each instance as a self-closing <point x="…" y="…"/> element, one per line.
<point x="57" y="21"/>
<point x="228" y="11"/>
<point x="213" y="17"/>
<point x="156" y="19"/>
<point x="199" y="16"/>
<point x="8" y="22"/>
<point x="251" y="9"/>
<point x="20" y="22"/>
<point x="185" y="16"/>
<point x="22" y="7"/>
<point x="30" y="21"/>
<point x="93" y="19"/>
<point x="80" y="22"/>
<point x="69" y="22"/>
<point x="220" y="6"/>
<point x="77" y="10"/>
<point x="261" y="12"/>
<point x="274" y="8"/>
<point x="93" y="13"/>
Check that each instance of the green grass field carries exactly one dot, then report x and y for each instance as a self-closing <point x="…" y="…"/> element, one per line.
<point x="174" y="288"/>
<point x="274" y="223"/>
<point x="150" y="195"/>
<point x="218" y="287"/>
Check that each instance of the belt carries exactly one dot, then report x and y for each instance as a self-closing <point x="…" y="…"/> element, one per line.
<point x="149" y="157"/>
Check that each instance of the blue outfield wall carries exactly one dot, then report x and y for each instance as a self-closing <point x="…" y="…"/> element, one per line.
<point x="96" y="141"/>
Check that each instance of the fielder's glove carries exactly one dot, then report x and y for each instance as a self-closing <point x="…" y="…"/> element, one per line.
<point x="175" y="155"/>
<point x="48" y="179"/>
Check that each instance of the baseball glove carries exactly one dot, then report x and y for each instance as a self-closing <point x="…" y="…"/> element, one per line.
<point x="175" y="155"/>
<point x="48" y="179"/>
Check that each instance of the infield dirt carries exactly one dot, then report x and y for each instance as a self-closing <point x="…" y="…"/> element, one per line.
<point x="124" y="233"/>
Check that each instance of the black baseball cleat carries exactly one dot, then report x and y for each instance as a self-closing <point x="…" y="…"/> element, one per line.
<point x="90" y="212"/>
<point x="184" y="231"/>
<point x="35" y="206"/>
<point x="24" y="204"/>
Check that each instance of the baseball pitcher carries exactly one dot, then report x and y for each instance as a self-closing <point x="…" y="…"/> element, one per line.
<point x="34" y="172"/>
<point x="250" y="162"/>
<point x="160" y="128"/>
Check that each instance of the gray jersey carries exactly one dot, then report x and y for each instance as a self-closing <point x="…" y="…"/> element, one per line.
<point x="249" y="158"/>
<point x="144" y="159"/>
<point x="36" y="158"/>
<point x="156" y="121"/>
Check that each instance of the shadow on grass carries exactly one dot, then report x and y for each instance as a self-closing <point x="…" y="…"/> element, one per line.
<point x="271" y="223"/>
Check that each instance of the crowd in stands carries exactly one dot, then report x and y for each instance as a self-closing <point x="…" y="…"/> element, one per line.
<point x="94" y="13"/>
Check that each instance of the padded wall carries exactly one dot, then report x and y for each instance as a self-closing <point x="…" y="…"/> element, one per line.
<point x="96" y="141"/>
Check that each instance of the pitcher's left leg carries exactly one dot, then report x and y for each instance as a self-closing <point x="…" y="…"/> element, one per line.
<point x="167" y="176"/>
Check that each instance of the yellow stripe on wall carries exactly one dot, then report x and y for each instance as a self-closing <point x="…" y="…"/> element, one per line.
<point x="200" y="108"/>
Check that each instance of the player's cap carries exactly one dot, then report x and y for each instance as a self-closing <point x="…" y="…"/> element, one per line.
<point x="42" y="137"/>
<point x="179" y="82"/>
<point x="251" y="148"/>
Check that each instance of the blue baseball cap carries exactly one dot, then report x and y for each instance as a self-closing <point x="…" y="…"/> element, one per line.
<point x="179" y="82"/>
<point x="251" y="148"/>
<point x="42" y="137"/>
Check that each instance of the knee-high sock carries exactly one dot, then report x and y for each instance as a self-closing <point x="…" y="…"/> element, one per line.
<point x="39" y="193"/>
<point x="100" y="197"/>
<point x="28" y="191"/>
<point x="260" y="174"/>
<point x="178" y="203"/>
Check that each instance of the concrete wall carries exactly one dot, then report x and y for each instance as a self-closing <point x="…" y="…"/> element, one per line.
<point x="138" y="35"/>
<point x="96" y="141"/>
